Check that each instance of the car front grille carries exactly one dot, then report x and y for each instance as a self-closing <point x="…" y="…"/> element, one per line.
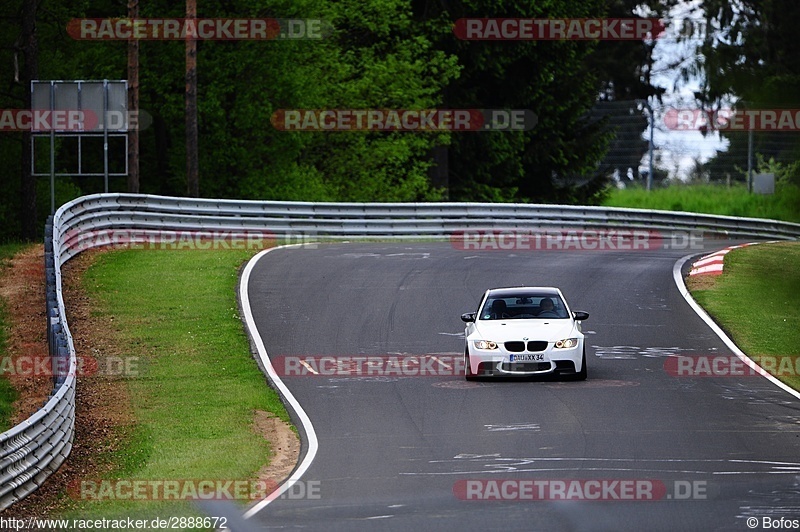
<point x="525" y="366"/>
<point x="537" y="345"/>
<point x="519" y="347"/>
<point x="515" y="347"/>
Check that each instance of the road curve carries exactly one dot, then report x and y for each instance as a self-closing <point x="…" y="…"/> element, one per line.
<point x="395" y="453"/>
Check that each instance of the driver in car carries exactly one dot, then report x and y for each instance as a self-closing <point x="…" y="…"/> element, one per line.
<point x="547" y="308"/>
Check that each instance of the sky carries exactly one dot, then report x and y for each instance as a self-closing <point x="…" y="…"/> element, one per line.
<point x="677" y="150"/>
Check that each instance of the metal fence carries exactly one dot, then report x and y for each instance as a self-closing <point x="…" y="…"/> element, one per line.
<point x="35" y="448"/>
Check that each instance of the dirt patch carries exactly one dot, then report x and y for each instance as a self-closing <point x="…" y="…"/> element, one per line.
<point x="22" y="289"/>
<point x="701" y="282"/>
<point x="284" y="446"/>
<point x="102" y="406"/>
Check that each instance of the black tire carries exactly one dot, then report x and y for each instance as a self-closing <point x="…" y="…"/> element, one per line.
<point x="468" y="370"/>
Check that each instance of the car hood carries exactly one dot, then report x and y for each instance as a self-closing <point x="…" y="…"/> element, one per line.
<point x="533" y="329"/>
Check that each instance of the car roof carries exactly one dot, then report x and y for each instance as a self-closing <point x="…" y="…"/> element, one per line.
<point x="512" y="291"/>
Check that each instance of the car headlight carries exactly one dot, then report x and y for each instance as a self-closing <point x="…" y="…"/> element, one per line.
<point x="485" y="344"/>
<point x="567" y="343"/>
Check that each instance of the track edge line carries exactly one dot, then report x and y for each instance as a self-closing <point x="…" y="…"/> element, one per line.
<point x="313" y="443"/>
<point x="703" y="315"/>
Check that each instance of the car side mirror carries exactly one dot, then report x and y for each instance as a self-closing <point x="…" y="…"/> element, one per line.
<point x="580" y="315"/>
<point x="468" y="317"/>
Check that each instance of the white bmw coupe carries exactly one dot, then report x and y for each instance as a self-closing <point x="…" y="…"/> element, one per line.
<point x="524" y="331"/>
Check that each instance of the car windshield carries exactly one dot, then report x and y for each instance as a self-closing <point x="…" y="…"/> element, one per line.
<point x="523" y="306"/>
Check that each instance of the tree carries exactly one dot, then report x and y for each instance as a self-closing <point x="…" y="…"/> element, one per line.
<point x="192" y="170"/>
<point x="388" y="54"/>
<point x="29" y="47"/>
<point x="133" y="103"/>
<point x="560" y="160"/>
<point x="751" y="59"/>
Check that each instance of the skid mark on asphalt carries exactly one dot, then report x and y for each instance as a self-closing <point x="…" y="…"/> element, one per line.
<point x="410" y="255"/>
<point x="592" y="383"/>
<point x="466" y="463"/>
<point x="631" y="352"/>
<point x="459" y="385"/>
<point x="753" y="393"/>
<point x="774" y="503"/>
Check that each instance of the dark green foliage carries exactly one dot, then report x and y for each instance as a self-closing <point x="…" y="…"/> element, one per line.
<point x="394" y="54"/>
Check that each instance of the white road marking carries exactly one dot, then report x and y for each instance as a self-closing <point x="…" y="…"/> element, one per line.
<point x="513" y="426"/>
<point x="308" y="367"/>
<point x="421" y="255"/>
<point x="447" y="366"/>
<point x="311" y="435"/>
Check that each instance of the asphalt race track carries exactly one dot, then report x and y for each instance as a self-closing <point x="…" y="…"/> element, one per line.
<point x="395" y="453"/>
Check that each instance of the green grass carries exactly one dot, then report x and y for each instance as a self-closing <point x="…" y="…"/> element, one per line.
<point x="712" y="199"/>
<point x="757" y="300"/>
<point x="198" y="388"/>
<point x="7" y="392"/>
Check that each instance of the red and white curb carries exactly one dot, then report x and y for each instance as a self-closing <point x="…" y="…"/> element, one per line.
<point x="712" y="264"/>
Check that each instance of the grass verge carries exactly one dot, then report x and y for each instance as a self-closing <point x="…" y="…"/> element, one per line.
<point x="713" y="199"/>
<point x="195" y="388"/>
<point x="757" y="301"/>
<point x="7" y="392"/>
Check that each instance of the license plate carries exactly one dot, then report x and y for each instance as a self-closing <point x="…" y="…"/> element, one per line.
<point x="526" y="358"/>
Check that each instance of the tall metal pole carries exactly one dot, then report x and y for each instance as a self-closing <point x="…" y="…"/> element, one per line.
<point x="52" y="151"/>
<point x="652" y="127"/>
<point x="750" y="161"/>
<point x="105" y="136"/>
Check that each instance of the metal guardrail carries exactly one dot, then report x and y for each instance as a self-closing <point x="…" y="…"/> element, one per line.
<point x="107" y="212"/>
<point x="34" y="449"/>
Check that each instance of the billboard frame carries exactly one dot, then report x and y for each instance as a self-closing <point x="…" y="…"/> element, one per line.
<point x="91" y="103"/>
